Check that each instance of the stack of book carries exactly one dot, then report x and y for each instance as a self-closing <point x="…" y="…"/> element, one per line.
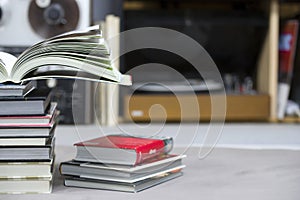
<point x="27" y="124"/>
<point x="122" y="163"/>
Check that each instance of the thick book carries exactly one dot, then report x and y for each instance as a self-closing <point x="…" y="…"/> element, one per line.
<point x="27" y="131"/>
<point x="165" y="161"/>
<point x="27" y="153"/>
<point x="24" y="141"/>
<point x="16" y="90"/>
<point x="26" y="136"/>
<point x="81" y="54"/>
<point x="136" y="178"/>
<point x="120" y="149"/>
<point x="34" y="120"/>
<point x="35" y="103"/>
<point x="26" y="185"/>
<point x="119" y="186"/>
<point x="26" y="169"/>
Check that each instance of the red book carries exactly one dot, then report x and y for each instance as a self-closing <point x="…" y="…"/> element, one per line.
<point x="287" y="49"/>
<point x="117" y="149"/>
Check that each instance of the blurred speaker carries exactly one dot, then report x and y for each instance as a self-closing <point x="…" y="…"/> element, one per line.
<point x="25" y="22"/>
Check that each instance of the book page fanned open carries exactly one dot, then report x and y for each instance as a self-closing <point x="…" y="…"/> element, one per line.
<point x="84" y="54"/>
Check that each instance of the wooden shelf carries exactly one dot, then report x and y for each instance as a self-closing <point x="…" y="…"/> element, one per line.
<point x="160" y="107"/>
<point x="239" y="108"/>
<point x="290" y="120"/>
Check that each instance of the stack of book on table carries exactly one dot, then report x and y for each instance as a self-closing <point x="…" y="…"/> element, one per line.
<point x="122" y="163"/>
<point x="27" y="124"/>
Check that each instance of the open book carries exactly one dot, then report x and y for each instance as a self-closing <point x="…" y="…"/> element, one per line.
<point x="81" y="55"/>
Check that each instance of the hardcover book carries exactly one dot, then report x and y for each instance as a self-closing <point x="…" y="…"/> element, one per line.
<point x="287" y="51"/>
<point x="133" y="179"/>
<point x="27" y="131"/>
<point x="26" y="185"/>
<point x="81" y="55"/>
<point x="119" y="186"/>
<point x="35" y="103"/>
<point x="24" y="141"/>
<point x="118" y="149"/>
<point x="28" y="153"/>
<point x="151" y="166"/>
<point x="35" y="120"/>
<point x="16" y="90"/>
<point x="26" y="169"/>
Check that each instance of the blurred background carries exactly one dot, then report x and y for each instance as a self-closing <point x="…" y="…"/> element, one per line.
<point x="242" y="38"/>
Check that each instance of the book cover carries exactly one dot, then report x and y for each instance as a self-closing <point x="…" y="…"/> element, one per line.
<point x="35" y="103"/>
<point x="119" y="186"/>
<point x="130" y="179"/>
<point x="150" y="164"/>
<point x="52" y="123"/>
<point x="86" y="169"/>
<point x="287" y="49"/>
<point x="295" y="85"/>
<point x="26" y="169"/>
<point x="29" y="131"/>
<point x="27" y="153"/>
<point x="16" y="90"/>
<point x="121" y="149"/>
<point x="46" y="119"/>
<point x="26" y="185"/>
<point x="24" y="141"/>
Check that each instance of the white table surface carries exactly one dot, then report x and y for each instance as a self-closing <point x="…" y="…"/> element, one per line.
<point x="225" y="174"/>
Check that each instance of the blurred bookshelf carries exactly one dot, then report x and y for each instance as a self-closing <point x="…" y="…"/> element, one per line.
<point x="240" y="107"/>
<point x="259" y="106"/>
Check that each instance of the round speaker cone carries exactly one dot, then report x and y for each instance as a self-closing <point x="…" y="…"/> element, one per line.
<point x="58" y="17"/>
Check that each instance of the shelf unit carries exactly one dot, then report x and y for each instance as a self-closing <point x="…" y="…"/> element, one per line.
<point x="262" y="107"/>
<point x="145" y="108"/>
<point x="268" y="62"/>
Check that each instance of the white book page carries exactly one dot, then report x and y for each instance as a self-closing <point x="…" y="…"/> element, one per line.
<point x="8" y="60"/>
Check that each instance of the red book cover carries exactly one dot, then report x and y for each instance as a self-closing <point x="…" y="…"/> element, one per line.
<point x="287" y="49"/>
<point x="145" y="148"/>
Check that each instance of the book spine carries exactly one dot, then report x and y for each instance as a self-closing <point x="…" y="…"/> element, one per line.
<point x="158" y="147"/>
<point x="287" y="49"/>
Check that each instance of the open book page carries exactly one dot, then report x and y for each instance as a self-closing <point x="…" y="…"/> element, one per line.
<point x="77" y="34"/>
<point x="92" y="30"/>
<point x="84" y="50"/>
<point x="78" y="51"/>
<point x="7" y="62"/>
<point x="70" y="74"/>
<point x="63" y="60"/>
<point x="89" y="43"/>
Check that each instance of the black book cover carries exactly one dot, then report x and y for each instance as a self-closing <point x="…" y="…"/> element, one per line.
<point x="37" y="94"/>
<point x="35" y="103"/>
